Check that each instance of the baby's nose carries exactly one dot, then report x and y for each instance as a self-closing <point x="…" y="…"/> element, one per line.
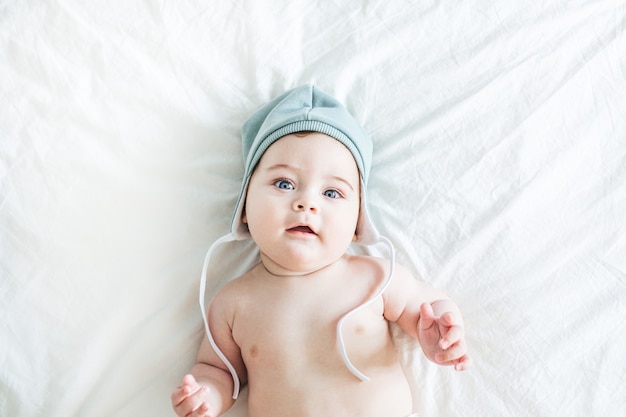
<point x="305" y="205"/>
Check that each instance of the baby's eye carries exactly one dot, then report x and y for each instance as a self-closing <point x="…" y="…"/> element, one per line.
<point x="332" y="194"/>
<point x="284" y="184"/>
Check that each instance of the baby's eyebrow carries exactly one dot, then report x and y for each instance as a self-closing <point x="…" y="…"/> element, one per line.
<point x="343" y="180"/>
<point x="282" y="166"/>
<point x="293" y="168"/>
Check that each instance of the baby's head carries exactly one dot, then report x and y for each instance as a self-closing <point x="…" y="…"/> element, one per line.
<point x="303" y="203"/>
<point x="306" y="109"/>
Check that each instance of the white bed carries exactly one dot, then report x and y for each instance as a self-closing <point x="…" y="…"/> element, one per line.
<point x="499" y="174"/>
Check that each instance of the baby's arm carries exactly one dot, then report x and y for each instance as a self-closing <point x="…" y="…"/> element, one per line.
<point x="428" y="315"/>
<point x="207" y="390"/>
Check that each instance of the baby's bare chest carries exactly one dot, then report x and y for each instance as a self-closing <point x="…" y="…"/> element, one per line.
<point x="300" y="328"/>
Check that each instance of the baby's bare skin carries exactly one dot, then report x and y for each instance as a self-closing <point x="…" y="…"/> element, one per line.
<point x="282" y="332"/>
<point x="286" y="330"/>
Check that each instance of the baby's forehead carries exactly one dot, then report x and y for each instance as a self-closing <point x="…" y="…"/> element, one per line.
<point x="308" y="141"/>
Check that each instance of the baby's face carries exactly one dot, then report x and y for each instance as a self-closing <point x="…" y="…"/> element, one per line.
<point x="303" y="203"/>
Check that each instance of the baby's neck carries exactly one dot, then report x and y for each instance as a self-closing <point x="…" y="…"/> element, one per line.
<point x="275" y="270"/>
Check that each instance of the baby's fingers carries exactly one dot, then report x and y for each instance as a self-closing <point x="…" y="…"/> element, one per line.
<point x="194" y="404"/>
<point x="452" y="354"/>
<point x="179" y="395"/>
<point x="427" y="317"/>
<point x="447" y="319"/>
<point x="450" y="336"/>
<point x="188" y="386"/>
<point x="202" y="411"/>
<point x="462" y="364"/>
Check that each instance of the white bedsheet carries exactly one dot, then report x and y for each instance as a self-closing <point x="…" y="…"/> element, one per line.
<point x="499" y="173"/>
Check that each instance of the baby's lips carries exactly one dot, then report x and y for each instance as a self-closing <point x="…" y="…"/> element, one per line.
<point x="301" y="229"/>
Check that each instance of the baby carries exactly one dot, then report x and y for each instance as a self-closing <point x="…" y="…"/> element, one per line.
<point x="307" y="328"/>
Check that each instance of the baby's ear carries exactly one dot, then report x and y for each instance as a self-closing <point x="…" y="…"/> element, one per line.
<point x="355" y="237"/>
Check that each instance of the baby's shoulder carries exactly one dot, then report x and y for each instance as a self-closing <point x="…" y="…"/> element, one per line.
<point x="367" y="261"/>
<point x="377" y="264"/>
<point x="232" y="295"/>
<point x="380" y="269"/>
<point x="237" y="285"/>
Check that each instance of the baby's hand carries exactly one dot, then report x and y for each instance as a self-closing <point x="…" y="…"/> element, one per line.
<point x="191" y="399"/>
<point x="442" y="339"/>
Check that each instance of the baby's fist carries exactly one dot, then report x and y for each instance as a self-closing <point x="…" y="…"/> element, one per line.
<point x="191" y="399"/>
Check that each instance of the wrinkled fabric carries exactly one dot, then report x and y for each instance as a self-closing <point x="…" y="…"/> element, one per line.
<point x="499" y="174"/>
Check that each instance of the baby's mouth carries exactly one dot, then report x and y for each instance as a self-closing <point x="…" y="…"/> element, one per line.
<point x="301" y="229"/>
